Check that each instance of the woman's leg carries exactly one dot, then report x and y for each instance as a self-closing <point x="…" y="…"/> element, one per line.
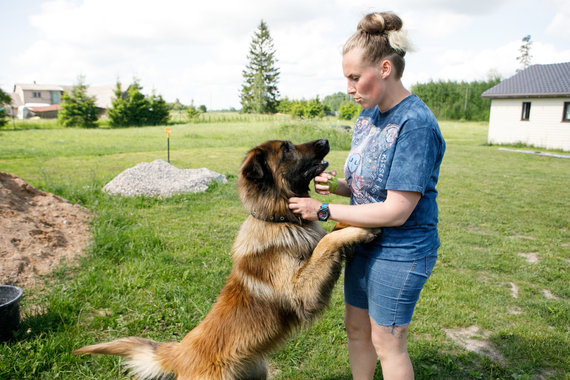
<point x="390" y="344"/>
<point x="361" y="352"/>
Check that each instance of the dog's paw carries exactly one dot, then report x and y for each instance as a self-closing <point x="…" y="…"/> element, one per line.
<point x="353" y="235"/>
<point x="365" y="235"/>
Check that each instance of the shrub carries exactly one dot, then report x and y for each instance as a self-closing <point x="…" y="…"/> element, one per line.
<point x="348" y="110"/>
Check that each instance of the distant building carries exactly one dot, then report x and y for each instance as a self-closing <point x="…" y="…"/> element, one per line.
<point x="43" y="100"/>
<point x="532" y="108"/>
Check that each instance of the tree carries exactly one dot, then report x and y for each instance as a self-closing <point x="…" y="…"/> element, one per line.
<point x="158" y="110"/>
<point x="456" y="100"/>
<point x="134" y="109"/>
<point x="193" y="112"/>
<point x="78" y="109"/>
<point x="335" y="100"/>
<point x="5" y="99"/>
<point x="525" y="56"/>
<point x="259" y="91"/>
<point x="349" y="110"/>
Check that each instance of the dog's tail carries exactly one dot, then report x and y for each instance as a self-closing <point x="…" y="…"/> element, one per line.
<point x="146" y="358"/>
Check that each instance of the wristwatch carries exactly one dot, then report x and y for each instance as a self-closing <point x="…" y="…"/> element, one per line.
<point x="324" y="212"/>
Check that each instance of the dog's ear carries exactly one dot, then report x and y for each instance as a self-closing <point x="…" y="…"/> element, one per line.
<point x="255" y="166"/>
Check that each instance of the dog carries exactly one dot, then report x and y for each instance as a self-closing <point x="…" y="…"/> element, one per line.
<point x="284" y="270"/>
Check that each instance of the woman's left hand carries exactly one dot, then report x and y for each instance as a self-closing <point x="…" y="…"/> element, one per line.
<point x="307" y="208"/>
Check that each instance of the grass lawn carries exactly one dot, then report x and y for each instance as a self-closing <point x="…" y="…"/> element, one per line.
<point x="155" y="267"/>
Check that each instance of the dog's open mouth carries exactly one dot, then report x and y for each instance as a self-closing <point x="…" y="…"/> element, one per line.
<point x="316" y="169"/>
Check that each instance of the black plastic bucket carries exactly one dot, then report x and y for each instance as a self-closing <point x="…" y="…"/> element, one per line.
<point x="9" y="310"/>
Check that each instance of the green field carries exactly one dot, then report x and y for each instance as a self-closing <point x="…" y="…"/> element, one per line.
<point x="155" y="267"/>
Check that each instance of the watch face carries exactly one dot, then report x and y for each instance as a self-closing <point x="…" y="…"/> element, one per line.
<point x="323" y="213"/>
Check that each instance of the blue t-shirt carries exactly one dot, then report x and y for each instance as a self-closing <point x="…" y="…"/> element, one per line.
<point x="400" y="149"/>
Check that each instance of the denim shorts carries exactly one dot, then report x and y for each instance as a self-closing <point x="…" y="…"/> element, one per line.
<point x="388" y="289"/>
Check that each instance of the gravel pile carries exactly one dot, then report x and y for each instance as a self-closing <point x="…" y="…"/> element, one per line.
<point x="159" y="178"/>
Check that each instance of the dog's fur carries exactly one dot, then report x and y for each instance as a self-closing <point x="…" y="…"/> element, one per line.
<point x="284" y="270"/>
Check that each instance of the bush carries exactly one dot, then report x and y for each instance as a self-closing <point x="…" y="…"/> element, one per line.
<point x="349" y="110"/>
<point x="193" y="112"/>
<point x="302" y="108"/>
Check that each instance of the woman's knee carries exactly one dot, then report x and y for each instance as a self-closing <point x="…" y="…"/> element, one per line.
<point x="357" y="323"/>
<point x="389" y="340"/>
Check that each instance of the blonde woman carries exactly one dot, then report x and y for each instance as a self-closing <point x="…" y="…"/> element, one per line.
<point x="390" y="176"/>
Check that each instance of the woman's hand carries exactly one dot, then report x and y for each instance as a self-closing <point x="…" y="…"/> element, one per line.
<point x="321" y="185"/>
<point x="305" y="207"/>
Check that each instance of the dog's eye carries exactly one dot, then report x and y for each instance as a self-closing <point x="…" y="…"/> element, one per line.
<point x="287" y="147"/>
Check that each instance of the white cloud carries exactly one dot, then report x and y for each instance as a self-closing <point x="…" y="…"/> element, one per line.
<point x="559" y="26"/>
<point x="197" y="50"/>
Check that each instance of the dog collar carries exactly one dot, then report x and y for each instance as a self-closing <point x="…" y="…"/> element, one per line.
<point x="276" y="218"/>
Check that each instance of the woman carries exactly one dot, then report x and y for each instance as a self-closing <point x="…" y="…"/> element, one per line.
<point x="390" y="176"/>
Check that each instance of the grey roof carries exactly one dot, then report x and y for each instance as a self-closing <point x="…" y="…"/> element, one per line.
<point x="104" y="95"/>
<point x="552" y="80"/>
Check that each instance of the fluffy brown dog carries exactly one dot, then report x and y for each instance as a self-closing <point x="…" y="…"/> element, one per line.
<point x="283" y="274"/>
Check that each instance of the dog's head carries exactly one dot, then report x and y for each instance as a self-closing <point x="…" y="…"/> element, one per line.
<point x="277" y="170"/>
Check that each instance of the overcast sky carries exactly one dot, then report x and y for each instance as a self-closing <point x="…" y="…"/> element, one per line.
<point x="196" y="50"/>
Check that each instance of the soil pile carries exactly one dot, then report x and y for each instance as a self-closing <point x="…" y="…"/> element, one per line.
<point x="37" y="231"/>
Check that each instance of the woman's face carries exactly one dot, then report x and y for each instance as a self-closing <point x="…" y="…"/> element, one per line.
<point x="364" y="80"/>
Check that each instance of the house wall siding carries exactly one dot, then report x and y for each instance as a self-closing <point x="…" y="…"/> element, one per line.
<point x="543" y="129"/>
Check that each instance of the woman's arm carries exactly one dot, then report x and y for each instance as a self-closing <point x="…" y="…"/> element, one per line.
<point x="393" y="212"/>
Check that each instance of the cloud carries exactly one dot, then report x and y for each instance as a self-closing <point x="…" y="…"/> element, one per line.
<point x="559" y="24"/>
<point x="197" y="50"/>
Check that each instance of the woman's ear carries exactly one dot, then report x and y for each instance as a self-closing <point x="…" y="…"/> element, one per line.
<point x="385" y="68"/>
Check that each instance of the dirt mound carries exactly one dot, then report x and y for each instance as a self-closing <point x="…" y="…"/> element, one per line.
<point x="37" y="231"/>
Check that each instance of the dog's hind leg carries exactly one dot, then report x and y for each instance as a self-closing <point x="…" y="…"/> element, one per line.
<point x="257" y="371"/>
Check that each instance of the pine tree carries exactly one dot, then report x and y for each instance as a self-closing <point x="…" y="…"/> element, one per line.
<point x="259" y="91"/>
<point x="134" y="109"/>
<point x="78" y="109"/>
<point x="5" y="100"/>
<point x="525" y="56"/>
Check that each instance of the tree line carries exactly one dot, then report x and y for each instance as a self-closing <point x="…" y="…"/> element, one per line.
<point x="450" y="100"/>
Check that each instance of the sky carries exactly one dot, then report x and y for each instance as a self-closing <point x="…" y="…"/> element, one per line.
<point x="195" y="51"/>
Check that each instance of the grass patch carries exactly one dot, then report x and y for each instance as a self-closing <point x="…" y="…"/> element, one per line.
<point x="155" y="267"/>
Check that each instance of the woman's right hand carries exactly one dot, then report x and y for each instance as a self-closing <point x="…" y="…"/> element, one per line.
<point x="321" y="182"/>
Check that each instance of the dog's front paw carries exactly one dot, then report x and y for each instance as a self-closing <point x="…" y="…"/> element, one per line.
<point x="354" y="235"/>
<point x="365" y="235"/>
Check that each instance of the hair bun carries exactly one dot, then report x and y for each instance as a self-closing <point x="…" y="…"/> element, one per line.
<point x="380" y="22"/>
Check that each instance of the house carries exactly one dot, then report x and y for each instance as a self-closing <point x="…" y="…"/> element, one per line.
<point x="532" y="108"/>
<point x="44" y="100"/>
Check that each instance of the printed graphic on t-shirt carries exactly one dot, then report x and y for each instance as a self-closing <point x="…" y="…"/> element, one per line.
<point x="367" y="165"/>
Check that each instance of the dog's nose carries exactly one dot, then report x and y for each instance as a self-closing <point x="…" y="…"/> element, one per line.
<point x="322" y="143"/>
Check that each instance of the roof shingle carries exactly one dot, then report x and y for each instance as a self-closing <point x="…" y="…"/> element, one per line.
<point x="552" y="80"/>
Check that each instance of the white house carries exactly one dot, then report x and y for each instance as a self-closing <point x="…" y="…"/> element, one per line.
<point x="532" y="108"/>
<point x="44" y="100"/>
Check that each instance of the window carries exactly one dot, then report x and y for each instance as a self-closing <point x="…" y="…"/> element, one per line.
<point x="566" y="114"/>
<point x="525" y="111"/>
<point x="36" y="94"/>
<point x="55" y="97"/>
